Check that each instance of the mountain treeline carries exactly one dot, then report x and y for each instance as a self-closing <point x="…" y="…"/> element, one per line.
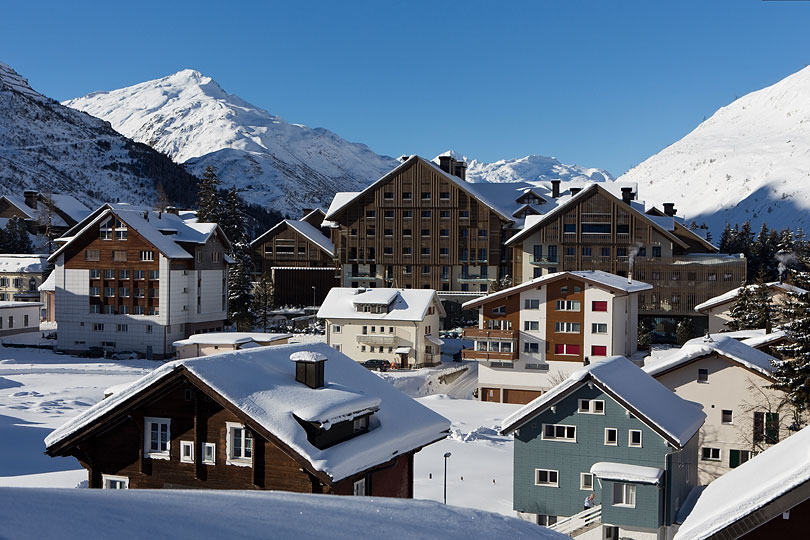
<point x="770" y="253"/>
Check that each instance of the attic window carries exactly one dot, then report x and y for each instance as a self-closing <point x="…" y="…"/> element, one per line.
<point x="120" y="230"/>
<point x="105" y="230"/>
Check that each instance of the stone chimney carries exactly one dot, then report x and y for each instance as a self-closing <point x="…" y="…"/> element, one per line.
<point x="669" y="209"/>
<point x="31" y="198"/>
<point x="309" y="368"/>
<point x="627" y="195"/>
<point x="555" y="188"/>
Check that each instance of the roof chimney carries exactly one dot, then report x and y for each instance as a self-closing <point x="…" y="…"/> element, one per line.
<point x="30" y="198"/>
<point x="555" y="188"/>
<point x="309" y="367"/>
<point x="627" y="195"/>
<point x="669" y="209"/>
<point x="460" y="170"/>
<point x="172" y="210"/>
<point x="446" y="164"/>
<point x="574" y="190"/>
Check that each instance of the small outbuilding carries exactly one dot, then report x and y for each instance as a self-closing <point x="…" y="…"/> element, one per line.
<point x="219" y="342"/>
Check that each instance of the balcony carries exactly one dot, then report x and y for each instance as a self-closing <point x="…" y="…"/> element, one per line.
<point x="483" y="333"/>
<point x="377" y="339"/>
<point x="362" y="275"/>
<point x="489" y="356"/>
<point x="540" y="261"/>
<point x="468" y="278"/>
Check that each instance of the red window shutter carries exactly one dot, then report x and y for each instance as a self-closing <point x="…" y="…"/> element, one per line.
<point x="598" y="350"/>
<point x="559" y="348"/>
<point x="572" y="349"/>
<point x="599" y="305"/>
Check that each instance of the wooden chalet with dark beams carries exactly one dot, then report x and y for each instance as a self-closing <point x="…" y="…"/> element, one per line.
<point x="280" y="418"/>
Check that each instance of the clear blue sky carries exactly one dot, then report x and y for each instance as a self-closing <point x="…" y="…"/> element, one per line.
<point x="597" y="83"/>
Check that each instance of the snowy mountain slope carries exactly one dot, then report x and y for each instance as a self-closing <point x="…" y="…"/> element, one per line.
<point x="192" y="119"/>
<point x="49" y="147"/>
<point x="527" y="169"/>
<point x="749" y="161"/>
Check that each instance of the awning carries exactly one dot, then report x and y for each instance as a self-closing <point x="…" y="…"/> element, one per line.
<point x="623" y="472"/>
<point x="435" y="340"/>
<point x="402" y="350"/>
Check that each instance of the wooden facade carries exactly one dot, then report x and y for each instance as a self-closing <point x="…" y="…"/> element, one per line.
<point x="565" y="290"/>
<point x="417" y="227"/>
<point x="283" y="246"/>
<point x="114" y="446"/>
<point x="602" y="232"/>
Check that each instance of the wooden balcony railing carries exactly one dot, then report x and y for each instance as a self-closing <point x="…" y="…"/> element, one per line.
<point x="483" y="333"/>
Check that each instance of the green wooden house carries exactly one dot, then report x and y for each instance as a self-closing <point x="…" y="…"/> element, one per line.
<point x="612" y="430"/>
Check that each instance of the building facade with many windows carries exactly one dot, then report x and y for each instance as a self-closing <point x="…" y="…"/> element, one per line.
<point x="533" y="335"/>
<point x="132" y="279"/>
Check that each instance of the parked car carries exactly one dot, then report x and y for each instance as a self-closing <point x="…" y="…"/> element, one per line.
<point x="93" y="352"/>
<point x="377" y="364"/>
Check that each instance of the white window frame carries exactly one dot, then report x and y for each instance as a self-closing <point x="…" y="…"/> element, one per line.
<point x="241" y="460"/>
<point x="183" y="446"/>
<point x="147" y="437"/>
<point x="582" y="477"/>
<point x="563" y="327"/>
<point x="628" y="492"/>
<point x="723" y="413"/>
<point x="615" y="439"/>
<point x="359" y="487"/>
<point x="564" y="438"/>
<point x="590" y="407"/>
<point x="213" y="447"/>
<point x="711" y="454"/>
<point x="595" y="328"/>
<point x="106" y="478"/>
<point x="549" y="483"/>
<point x="147" y="255"/>
<point x="630" y="438"/>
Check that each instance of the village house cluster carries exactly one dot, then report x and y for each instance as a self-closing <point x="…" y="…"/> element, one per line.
<point x="609" y="443"/>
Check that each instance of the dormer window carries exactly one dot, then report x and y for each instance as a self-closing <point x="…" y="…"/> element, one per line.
<point x="120" y="230"/>
<point x="360" y="424"/>
<point x="105" y="230"/>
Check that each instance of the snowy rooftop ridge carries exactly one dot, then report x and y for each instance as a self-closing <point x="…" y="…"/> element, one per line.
<point x="732" y="294"/>
<point x="404" y="304"/>
<point x="726" y="346"/>
<point x="749" y="487"/>
<point x="305" y="229"/>
<point x="665" y="412"/>
<point x="596" y="277"/>
<point x="261" y="383"/>
<point x="229" y="338"/>
<point x="23" y="263"/>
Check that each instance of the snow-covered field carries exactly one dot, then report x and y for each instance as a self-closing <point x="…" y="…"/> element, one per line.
<point x="40" y="390"/>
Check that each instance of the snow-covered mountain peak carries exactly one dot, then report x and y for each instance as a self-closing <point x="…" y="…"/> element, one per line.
<point x="750" y="161"/>
<point x="11" y="80"/>
<point x="526" y="169"/>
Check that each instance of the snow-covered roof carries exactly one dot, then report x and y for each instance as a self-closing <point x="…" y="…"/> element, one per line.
<point x="261" y="384"/>
<point x="168" y="513"/>
<point x="595" y="277"/>
<point x="19" y="203"/>
<point x="623" y="472"/>
<point x="7" y="304"/>
<point x="306" y="230"/>
<point x="22" y="264"/>
<point x="762" y="339"/>
<point x="70" y="206"/>
<point x="229" y="338"/>
<point x="404" y="304"/>
<point x="49" y="284"/>
<point x="721" y="344"/>
<point x="149" y="224"/>
<point x="731" y="295"/>
<point x="656" y="405"/>
<point x="749" y="487"/>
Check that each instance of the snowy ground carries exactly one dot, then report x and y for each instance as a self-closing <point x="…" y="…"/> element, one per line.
<point x="39" y="390"/>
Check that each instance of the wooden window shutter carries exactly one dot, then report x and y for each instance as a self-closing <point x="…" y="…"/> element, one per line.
<point x="759" y="426"/>
<point x="733" y="458"/>
<point x="771" y="428"/>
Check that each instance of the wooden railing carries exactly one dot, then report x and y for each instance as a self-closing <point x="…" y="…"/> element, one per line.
<point x="483" y="333"/>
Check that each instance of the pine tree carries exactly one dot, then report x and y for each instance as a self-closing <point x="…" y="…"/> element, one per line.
<point x="17" y="239"/>
<point x="742" y="311"/>
<point x="263" y="301"/>
<point x="645" y="334"/>
<point x="208" y="197"/>
<point x="725" y="239"/>
<point x="162" y="200"/>
<point x="792" y="376"/>
<point x="240" y="297"/>
<point x="685" y="330"/>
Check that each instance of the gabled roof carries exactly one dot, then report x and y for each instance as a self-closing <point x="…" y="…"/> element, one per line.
<point x="671" y="416"/>
<point x="764" y="339"/>
<point x="19" y="204"/>
<point x="566" y="201"/>
<point x="748" y="488"/>
<point x="731" y="295"/>
<point x="599" y="278"/>
<point x="49" y="284"/>
<point x="405" y="304"/>
<point x="229" y="338"/>
<point x="164" y="230"/>
<point x="726" y="346"/>
<point x="317" y="215"/>
<point x="303" y="228"/>
<point x="342" y="199"/>
<point x="23" y="263"/>
<point x="259" y="384"/>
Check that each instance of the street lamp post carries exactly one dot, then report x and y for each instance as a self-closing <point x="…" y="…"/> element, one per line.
<point x="446" y="455"/>
<point x="313" y="296"/>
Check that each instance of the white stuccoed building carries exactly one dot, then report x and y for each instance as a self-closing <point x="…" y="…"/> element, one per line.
<point x="398" y="325"/>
